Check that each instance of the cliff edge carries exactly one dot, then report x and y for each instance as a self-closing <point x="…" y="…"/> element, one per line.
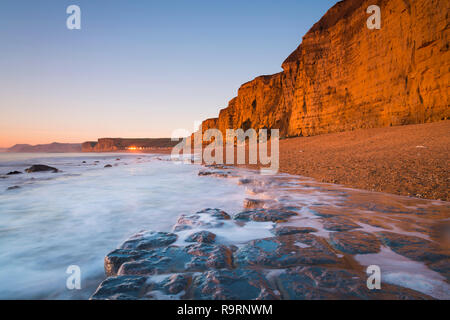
<point x="344" y="76"/>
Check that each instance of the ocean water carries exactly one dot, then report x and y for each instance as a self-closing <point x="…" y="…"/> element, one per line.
<point x="51" y="221"/>
<point x="76" y="217"/>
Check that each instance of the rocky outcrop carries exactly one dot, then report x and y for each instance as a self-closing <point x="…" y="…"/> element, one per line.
<point x="344" y="76"/>
<point x="119" y="144"/>
<point x="41" y="168"/>
<point x="288" y="251"/>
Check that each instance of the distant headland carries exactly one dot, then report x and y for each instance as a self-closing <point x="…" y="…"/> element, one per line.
<point x="127" y="144"/>
<point x="54" y="147"/>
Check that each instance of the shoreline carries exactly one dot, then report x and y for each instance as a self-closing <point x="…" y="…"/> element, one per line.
<point x="410" y="160"/>
<point x="291" y="232"/>
<point x="406" y="160"/>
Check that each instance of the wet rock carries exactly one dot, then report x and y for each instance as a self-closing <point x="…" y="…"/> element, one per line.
<point x="418" y="249"/>
<point x="157" y="261"/>
<point x="254" y="203"/>
<point x="202" y="219"/>
<point x="244" y="181"/>
<point x="121" y="288"/>
<point x="217" y="174"/>
<point x="83" y="162"/>
<point x="263" y="215"/>
<point x="13" y="173"/>
<point x="337" y="223"/>
<point x="41" y="168"/>
<point x="205" y="256"/>
<point x="176" y="283"/>
<point x="13" y="188"/>
<point x="202" y="236"/>
<point x="216" y="213"/>
<point x="285" y="251"/>
<point x="115" y="259"/>
<point x="149" y="240"/>
<point x="195" y="257"/>
<point x="108" y="166"/>
<point x="232" y="285"/>
<point x="355" y="242"/>
<point x="319" y="283"/>
<point x="284" y="231"/>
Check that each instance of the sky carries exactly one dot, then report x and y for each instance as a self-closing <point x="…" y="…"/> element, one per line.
<point x="136" y="68"/>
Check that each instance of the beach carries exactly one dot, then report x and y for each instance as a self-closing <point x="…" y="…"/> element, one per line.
<point x="410" y="160"/>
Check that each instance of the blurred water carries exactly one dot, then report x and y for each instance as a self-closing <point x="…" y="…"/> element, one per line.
<point x="79" y="215"/>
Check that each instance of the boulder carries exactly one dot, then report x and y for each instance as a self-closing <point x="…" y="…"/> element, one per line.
<point x="41" y="168"/>
<point x="13" y="173"/>
<point x="202" y="237"/>
<point x="147" y="240"/>
<point x="263" y="215"/>
<point x="202" y="219"/>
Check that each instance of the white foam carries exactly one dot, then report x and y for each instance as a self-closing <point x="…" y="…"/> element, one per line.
<point x="399" y="270"/>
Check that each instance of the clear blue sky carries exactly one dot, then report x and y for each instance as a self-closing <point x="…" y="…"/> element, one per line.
<point x="136" y="68"/>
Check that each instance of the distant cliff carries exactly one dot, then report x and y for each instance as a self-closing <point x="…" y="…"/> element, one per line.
<point x="344" y="76"/>
<point x="120" y="144"/>
<point x="54" y="147"/>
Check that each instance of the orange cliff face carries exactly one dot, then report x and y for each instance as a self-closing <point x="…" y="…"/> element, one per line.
<point x="344" y="76"/>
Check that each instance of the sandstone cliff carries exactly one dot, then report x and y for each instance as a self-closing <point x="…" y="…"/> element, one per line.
<point x="344" y="76"/>
<point x="118" y="144"/>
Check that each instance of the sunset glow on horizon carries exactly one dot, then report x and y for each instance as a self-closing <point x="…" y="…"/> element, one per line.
<point x="135" y="69"/>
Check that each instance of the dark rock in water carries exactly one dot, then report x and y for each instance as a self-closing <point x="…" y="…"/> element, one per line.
<point x="202" y="237"/>
<point x="319" y="283"/>
<point x="118" y="159"/>
<point x="13" y="173"/>
<point x="284" y="231"/>
<point x="254" y="203"/>
<point x="41" y="168"/>
<point x="202" y="219"/>
<point x="232" y="285"/>
<point x="217" y="174"/>
<point x="175" y="283"/>
<point x="285" y="251"/>
<point x="216" y="213"/>
<point x="121" y="288"/>
<point x="149" y="240"/>
<point x="115" y="259"/>
<point x="206" y="256"/>
<point x="108" y="166"/>
<point x="181" y="227"/>
<point x="196" y="257"/>
<point x="337" y="223"/>
<point x="262" y="215"/>
<point x="13" y="188"/>
<point x="355" y="242"/>
<point x="157" y="261"/>
<point x="244" y="181"/>
<point x="84" y="162"/>
<point x="418" y="249"/>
